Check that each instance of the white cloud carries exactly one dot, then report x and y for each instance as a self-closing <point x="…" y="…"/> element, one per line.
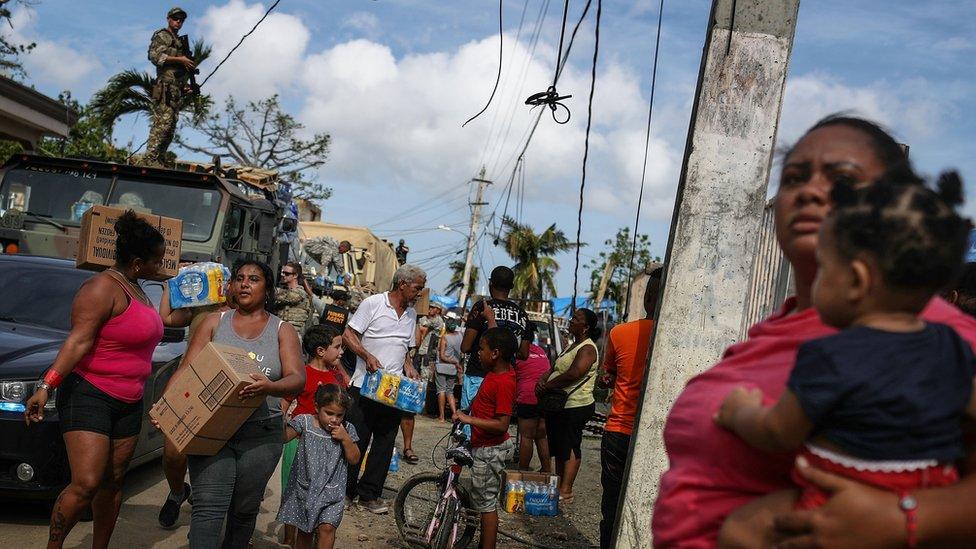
<point x="912" y="109"/>
<point x="53" y="64"/>
<point x="266" y="63"/>
<point x="362" y="21"/>
<point x="398" y="122"/>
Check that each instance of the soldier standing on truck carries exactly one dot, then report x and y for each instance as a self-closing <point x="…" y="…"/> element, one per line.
<point x="172" y="79"/>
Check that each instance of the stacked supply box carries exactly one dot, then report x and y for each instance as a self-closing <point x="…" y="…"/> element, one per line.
<point x="96" y="241"/>
<point x="201" y="409"/>
<point x="530" y="493"/>
<point x="198" y="285"/>
<point x="395" y="390"/>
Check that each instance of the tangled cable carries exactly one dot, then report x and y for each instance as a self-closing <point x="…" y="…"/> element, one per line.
<point x="551" y="99"/>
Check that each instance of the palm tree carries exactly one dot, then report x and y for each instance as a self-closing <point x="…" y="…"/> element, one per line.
<point x="534" y="266"/>
<point x="457" y="275"/>
<point x="130" y="92"/>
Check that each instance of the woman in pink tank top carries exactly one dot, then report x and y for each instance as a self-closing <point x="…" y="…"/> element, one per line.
<point x="100" y="373"/>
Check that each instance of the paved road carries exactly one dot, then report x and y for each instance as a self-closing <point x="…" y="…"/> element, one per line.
<point x="24" y="524"/>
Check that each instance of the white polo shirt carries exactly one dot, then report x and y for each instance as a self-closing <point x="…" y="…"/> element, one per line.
<point x="385" y="335"/>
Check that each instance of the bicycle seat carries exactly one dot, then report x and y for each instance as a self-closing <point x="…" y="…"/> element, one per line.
<point x="461" y="455"/>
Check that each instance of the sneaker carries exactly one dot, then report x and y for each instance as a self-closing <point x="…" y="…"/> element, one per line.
<point x="171" y="508"/>
<point x="375" y="506"/>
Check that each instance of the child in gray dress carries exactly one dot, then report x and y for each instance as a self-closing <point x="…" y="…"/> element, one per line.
<point x="316" y="490"/>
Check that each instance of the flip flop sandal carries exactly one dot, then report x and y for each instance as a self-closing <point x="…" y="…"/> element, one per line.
<point x="410" y="457"/>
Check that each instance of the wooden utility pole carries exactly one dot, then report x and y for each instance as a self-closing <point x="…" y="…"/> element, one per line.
<point x="604" y="281"/>
<point x="472" y="234"/>
<point x="714" y="227"/>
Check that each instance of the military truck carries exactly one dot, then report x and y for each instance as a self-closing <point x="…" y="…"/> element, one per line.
<point x="228" y="214"/>
<point x="370" y="263"/>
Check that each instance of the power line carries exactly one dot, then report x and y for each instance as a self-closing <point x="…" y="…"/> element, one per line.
<point x="586" y="146"/>
<point x="241" y="41"/>
<point x="647" y="142"/>
<point x="498" y="76"/>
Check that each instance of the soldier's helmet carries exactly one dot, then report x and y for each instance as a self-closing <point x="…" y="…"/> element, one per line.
<point x="176" y="13"/>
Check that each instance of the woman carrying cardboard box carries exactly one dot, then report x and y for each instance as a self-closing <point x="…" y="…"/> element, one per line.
<point x="231" y="483"/>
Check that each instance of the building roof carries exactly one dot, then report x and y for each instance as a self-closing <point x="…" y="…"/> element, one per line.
<point x="26" y="114"/>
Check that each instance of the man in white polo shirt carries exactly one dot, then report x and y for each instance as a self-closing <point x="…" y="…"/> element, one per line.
<point x="380" y="333"/>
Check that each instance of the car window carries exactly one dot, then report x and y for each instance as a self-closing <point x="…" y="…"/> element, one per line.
<point x="39" y="294"/>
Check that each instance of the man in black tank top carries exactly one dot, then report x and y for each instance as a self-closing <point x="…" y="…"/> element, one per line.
<point x="504" y="313"/>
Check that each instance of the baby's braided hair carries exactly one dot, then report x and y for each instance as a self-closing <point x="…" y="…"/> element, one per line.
<point x="912" y="232"/>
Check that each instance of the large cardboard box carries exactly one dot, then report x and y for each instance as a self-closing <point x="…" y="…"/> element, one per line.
<point x="201" y="409"/>
<point x="96" y="242"/>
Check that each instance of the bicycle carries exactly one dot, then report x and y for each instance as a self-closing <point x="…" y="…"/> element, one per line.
<point x="433" y="510"/>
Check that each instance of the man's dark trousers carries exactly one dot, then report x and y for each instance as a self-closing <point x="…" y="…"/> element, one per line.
<point x="613" y="460"/>
<point x="379" y="423"/>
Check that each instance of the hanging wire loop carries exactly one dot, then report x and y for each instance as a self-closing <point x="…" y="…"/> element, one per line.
<point x="553" y="100"/>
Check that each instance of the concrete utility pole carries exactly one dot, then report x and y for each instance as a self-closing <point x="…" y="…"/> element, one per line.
<point x="472" y="235"/>
<point x="714" y="226"/>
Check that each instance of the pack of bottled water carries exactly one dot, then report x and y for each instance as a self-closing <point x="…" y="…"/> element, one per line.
<point x="395" y="390"/>
<point x="534" y="498"/>
<point x="199" y="284"/>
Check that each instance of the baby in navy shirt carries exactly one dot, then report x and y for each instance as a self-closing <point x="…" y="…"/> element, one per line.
<point x="881" y="402"/>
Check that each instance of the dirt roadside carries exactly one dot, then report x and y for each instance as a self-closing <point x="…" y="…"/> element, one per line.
<point x="24" y="524"/>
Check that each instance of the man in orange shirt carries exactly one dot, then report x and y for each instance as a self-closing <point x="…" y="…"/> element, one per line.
<point x="624" y="364"/>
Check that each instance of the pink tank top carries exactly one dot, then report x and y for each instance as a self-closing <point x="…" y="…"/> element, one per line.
<point x="120" y="360"/>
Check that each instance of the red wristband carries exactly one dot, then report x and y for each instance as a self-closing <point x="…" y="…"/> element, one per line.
<point x="909" y="505"/>
<point x="53" y="378"/>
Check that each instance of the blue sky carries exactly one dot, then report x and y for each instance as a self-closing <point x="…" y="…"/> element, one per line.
<point x="392" y="81"/>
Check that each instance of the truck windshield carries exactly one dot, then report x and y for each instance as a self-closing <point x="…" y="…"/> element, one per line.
<point x="197" y="207"/>
<point x="61" y="195"/>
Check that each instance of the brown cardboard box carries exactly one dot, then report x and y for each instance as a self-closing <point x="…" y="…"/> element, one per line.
<point x="201" y="408"/>
<point x="96" y="242"/>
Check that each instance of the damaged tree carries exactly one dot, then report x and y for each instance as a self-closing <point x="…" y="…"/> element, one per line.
<point x="262" y="135"/>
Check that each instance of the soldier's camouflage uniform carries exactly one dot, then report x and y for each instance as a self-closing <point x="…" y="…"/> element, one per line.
<point x="167" y="95"/>
<point x="294" y="307"/>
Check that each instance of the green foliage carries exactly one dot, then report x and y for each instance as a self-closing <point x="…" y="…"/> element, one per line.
<point x="262" y="135"/>
<point x="10" y="51"/>
<point x="130" y="92"/>
<point x="532" y="252"/>
<point x="617" y="251"/>
<point x="9" y="148"/>
<point x="88" y="138"/>
<point x="457" y="275"/>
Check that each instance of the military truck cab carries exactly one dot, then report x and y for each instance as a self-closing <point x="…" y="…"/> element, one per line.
<point x="42" y="200"/>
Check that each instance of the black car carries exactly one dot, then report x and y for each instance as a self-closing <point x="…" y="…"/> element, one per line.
<point x="35" y="306"/>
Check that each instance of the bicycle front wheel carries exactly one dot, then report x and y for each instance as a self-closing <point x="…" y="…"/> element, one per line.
<point x="415" y="505"/>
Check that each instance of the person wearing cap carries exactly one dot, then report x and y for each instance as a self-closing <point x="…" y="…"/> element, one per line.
<point x="449" y="367"/>
<point x="172" y="76"/>
<point x="401" y="251"/>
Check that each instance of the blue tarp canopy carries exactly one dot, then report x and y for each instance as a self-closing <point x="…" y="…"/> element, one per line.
<point x="971" y="253"/>
<point x="561" y="305"/>
<point x="445" y="301"/>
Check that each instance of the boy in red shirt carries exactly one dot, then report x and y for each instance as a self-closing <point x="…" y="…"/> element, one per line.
<point x="491" y="413"/>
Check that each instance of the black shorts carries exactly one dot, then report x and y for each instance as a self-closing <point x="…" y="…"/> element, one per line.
<point x="564" y="429"/>
<point x="527" y="411"/>
<point x="84" y="407"/>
